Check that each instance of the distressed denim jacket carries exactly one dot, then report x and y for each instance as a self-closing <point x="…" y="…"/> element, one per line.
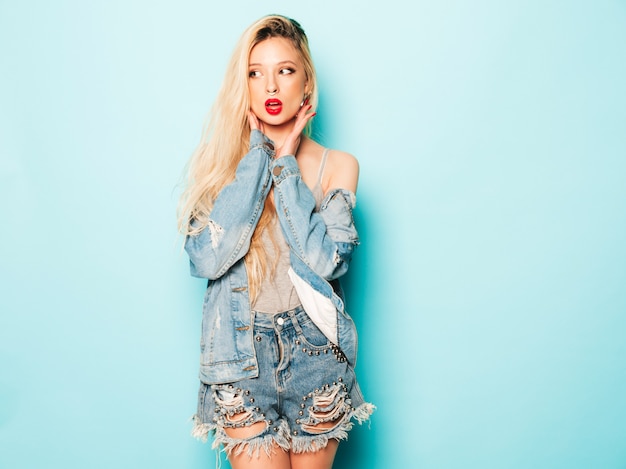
<point x="321" y="246"/>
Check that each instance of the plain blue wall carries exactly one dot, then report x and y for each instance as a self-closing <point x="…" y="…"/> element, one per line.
<point x="489" y="289"/>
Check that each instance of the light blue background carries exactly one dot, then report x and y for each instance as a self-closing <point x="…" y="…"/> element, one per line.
<point x="489" y="289"/>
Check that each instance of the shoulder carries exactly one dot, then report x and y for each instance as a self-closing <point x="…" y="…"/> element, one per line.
<point x="342" y="160"/>
<point x="342" y="169"/>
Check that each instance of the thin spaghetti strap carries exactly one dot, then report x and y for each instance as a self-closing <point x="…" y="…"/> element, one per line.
<point x="322" y="165"/>
<point x="318" y="192"/>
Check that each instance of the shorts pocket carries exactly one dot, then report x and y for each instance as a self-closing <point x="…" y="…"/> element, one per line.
<point x="310" y="335"/>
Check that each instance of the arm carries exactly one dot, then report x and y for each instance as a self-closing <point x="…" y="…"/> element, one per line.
<point x="326" y="240"/>
<point x="235" y="214"/>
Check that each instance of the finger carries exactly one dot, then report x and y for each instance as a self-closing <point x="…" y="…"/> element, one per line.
<point x="303" y="117"/>
<point x="304" y="110"/>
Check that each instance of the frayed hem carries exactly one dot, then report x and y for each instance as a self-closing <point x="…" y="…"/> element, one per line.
<point x="280" y="437"/>
<point x="253" y="446"/>
<point x="200" y="431"/>
<point x="312" y="444"/>
<point x="363" y="412"/>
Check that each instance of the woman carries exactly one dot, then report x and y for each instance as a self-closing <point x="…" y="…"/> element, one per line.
<point x="267" y="215"/>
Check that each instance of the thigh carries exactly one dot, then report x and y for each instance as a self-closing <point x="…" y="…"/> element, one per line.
<point x="321" y="459"/>
<point x="276" y="458"/>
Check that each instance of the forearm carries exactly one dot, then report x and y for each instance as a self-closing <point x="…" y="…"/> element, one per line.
<point x="235" y="213"/>
<point x="326" y="240"/>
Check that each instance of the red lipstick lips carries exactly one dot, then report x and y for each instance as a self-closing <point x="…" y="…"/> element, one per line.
<point x="273" y="106"/>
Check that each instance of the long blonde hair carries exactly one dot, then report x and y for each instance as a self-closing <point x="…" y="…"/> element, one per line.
<point x="225" y="139"/>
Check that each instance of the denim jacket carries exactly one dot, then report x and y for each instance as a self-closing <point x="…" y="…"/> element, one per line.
<point x="321" y="246"/>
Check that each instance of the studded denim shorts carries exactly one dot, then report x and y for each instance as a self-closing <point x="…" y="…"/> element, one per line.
<point x="304" y="380"/>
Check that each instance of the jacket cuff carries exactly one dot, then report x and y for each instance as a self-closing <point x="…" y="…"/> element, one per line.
<point x="284" y="167"/>
<point x="259" y="139"/>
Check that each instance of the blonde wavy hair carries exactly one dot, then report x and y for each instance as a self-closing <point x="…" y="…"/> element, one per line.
<point x="225" y="140"/>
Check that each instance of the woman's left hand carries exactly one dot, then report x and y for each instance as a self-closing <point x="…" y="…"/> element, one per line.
<point x="292" y="142"/>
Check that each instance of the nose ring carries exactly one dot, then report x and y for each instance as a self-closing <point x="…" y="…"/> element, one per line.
<point x="271" y="93"/>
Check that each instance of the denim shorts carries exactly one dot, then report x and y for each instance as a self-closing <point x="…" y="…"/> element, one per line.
<point x="304" y="380"/>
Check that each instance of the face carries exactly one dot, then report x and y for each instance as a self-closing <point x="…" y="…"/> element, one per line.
<point x="277" y="81"/>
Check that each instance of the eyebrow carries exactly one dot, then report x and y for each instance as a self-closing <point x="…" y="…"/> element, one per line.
<point x="284" y="62"/>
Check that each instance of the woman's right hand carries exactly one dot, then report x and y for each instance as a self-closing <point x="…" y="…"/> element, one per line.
<point x="255" y="122"/>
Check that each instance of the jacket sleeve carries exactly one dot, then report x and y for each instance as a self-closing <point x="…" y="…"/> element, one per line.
<point x="235" y="214"/>
<point x="324" y="241"/>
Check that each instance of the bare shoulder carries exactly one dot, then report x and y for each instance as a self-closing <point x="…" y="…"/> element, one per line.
<point x="342" y="171"/>
<point x="343" y="160"/>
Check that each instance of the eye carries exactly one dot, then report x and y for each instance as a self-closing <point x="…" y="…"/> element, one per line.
<point x="254" y="74"/>
<point x="287" y="71"/>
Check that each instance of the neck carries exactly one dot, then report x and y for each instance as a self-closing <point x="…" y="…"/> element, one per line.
<point x="278" y="133"/>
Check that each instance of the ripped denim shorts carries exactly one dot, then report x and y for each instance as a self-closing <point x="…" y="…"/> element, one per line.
<point x="304" y="380"/>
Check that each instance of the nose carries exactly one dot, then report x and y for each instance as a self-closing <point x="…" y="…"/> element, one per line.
<point x="271" y="87"/>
